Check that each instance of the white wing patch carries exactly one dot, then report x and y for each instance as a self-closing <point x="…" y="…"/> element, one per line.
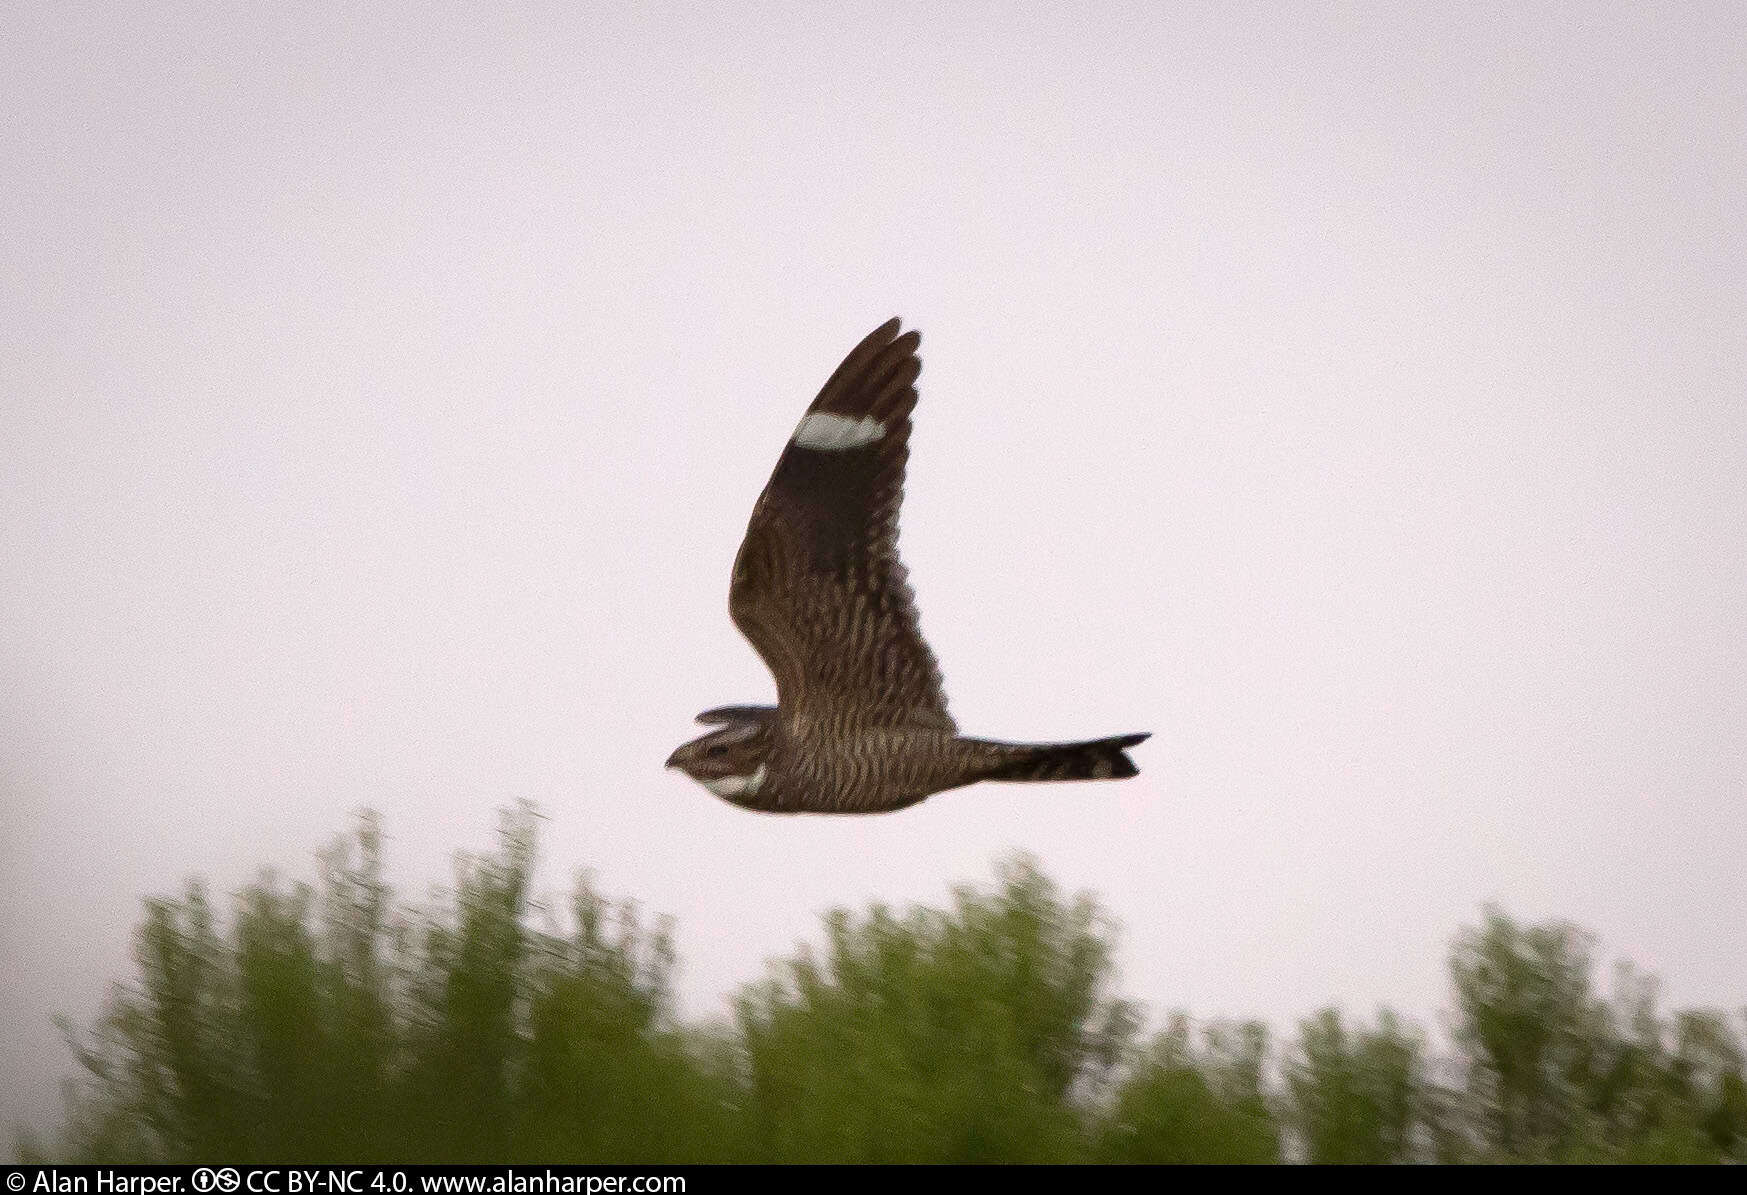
<point x="737" y="786"/>
<point x="826" y="432"/>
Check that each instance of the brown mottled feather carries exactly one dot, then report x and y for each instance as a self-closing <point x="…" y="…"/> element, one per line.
<point x="818" y="587"/>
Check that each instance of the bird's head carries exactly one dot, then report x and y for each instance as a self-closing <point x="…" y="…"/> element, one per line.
<point x="731" y="761"/>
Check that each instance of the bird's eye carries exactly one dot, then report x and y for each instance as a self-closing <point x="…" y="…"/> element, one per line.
<point x="716" y="750"/>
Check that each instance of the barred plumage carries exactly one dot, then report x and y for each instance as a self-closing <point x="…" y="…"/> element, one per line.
<point x="860" y="724"/>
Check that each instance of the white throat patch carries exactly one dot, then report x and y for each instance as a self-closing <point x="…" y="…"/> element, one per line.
<point x="826" y="432"/>
<point x="737" y="786"/>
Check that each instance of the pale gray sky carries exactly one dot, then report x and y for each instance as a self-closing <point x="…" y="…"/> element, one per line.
<point x="1351" y="395"/>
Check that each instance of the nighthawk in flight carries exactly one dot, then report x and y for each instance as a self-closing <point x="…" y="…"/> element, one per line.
<point x="860" y="724"/>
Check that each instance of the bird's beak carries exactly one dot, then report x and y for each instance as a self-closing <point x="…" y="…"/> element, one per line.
<point x="672" y="760"/>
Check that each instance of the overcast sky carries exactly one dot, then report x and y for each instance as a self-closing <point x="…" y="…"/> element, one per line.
<point x="1353" y="396"/>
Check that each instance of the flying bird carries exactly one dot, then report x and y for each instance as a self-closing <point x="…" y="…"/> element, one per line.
<point x="860" y="724"/>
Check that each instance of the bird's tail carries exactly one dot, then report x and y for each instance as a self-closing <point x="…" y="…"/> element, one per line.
<point x="1095" y="759"/>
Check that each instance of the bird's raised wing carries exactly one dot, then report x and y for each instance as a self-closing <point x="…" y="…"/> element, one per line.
<point x="818" y="587"/>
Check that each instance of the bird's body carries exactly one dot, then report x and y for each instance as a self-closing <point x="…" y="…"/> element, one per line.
<point x="860" y="724"/>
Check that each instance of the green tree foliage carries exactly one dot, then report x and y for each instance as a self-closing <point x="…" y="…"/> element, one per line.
<point x="1183" y="1103"/>
<point x="938" y="1036"/>
<point x="1558" y="1073"/>
<point x="1531" y="1029"/>
<point x="1358" y="1095"/>
<point x="328" y="1025"/>
<point x="325" y="1022"/>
